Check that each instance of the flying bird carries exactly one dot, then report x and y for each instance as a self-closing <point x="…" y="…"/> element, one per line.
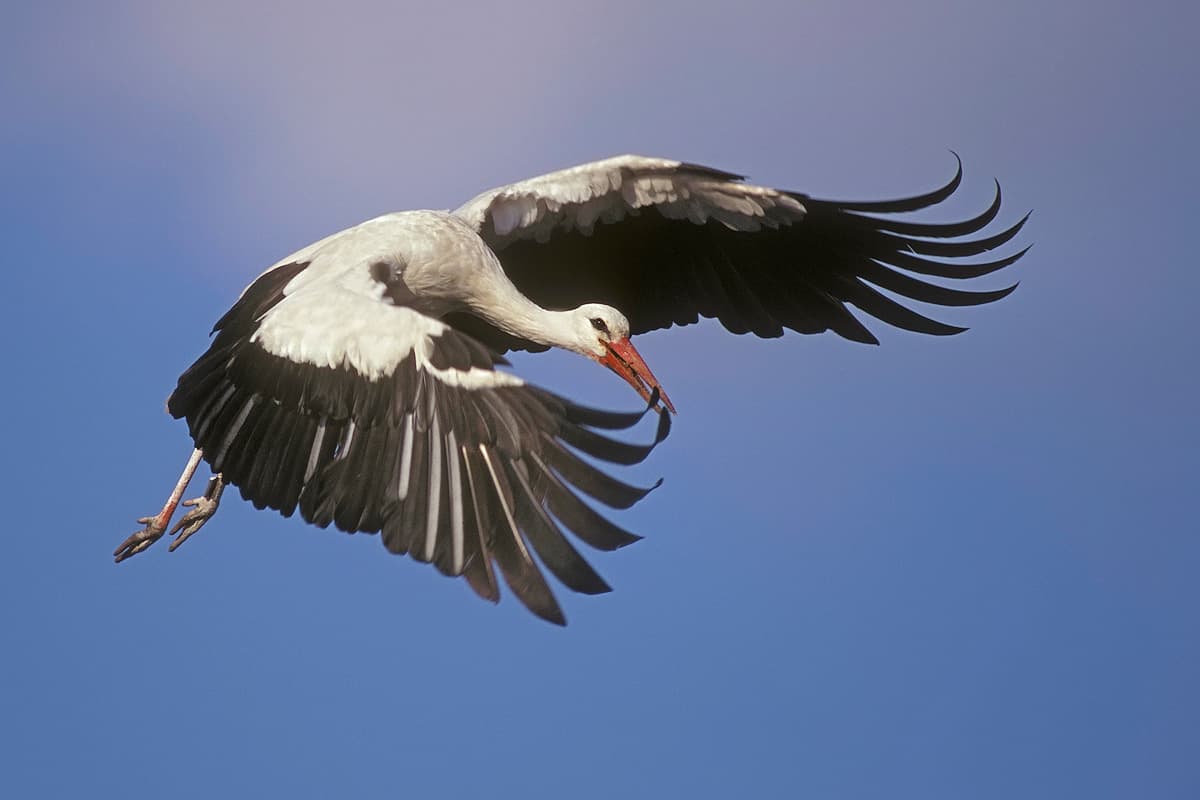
<point x="358" y="380"/>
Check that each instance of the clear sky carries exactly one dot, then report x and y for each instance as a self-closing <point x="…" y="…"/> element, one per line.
<point x="939" y="568"/>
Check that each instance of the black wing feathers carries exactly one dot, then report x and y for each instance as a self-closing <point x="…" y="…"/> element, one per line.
<point x="259" y="298"/>
<point x="803" y="276"/>
<point x="460" y="477"/>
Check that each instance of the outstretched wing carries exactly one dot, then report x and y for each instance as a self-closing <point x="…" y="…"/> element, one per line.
<point x="668" y="242"/>
<point x="324" y="396"/>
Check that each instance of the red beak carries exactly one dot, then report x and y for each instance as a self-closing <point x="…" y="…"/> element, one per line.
<point x="623" y="359"/>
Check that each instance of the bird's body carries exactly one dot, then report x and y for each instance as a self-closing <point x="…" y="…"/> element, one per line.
<point x="432" y="262"/>
<point x="357" y="380"/>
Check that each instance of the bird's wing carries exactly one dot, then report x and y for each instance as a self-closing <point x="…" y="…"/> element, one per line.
<point x="667" y="242"/>
<point x="325" y="396"/>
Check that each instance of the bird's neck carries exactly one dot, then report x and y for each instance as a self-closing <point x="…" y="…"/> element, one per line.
<point x="495" y="299"/>
<point x="542" y="326"/>
<point x="520" y="316"/>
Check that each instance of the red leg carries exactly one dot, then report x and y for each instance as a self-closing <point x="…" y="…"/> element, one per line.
<point x="157" y="525"/>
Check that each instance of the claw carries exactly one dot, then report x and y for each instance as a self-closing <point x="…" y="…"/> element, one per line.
<point x="202" y="510"/>
<point x="136" y="543"/>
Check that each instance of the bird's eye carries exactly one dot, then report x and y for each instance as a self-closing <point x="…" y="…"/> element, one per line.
<point x="599" y="325"/>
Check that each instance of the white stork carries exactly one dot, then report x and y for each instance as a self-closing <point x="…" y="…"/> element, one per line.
<point x="356" y="379"/>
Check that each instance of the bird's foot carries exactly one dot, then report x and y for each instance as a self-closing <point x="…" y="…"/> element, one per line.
<point x="202" y="510"/>
<point x="155" y="527"/>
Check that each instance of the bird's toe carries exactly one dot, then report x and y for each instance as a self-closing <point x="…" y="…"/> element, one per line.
<point x="137" y="542"/>
<point x="202" y="510"/>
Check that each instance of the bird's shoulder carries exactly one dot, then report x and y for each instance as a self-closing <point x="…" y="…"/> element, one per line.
<point x="379" y="237"/>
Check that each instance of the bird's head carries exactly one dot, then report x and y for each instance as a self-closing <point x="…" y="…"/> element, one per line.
<point x="604" y="333"/>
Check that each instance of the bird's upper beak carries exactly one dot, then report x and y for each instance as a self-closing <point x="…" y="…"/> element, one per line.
<point x="623" y="358"/>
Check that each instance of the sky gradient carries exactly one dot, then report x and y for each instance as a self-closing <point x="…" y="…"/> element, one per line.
<point x="958" y="567"/>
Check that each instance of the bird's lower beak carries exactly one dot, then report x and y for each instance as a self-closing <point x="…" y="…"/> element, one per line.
<point x="623" y="358"/>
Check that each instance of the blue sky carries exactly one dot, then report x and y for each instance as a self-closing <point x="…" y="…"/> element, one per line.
<point x="937" y="568"/>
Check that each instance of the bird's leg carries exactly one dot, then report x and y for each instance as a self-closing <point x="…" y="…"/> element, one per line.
<point x="205" y="507"/>
<point x="157" y="525"/>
